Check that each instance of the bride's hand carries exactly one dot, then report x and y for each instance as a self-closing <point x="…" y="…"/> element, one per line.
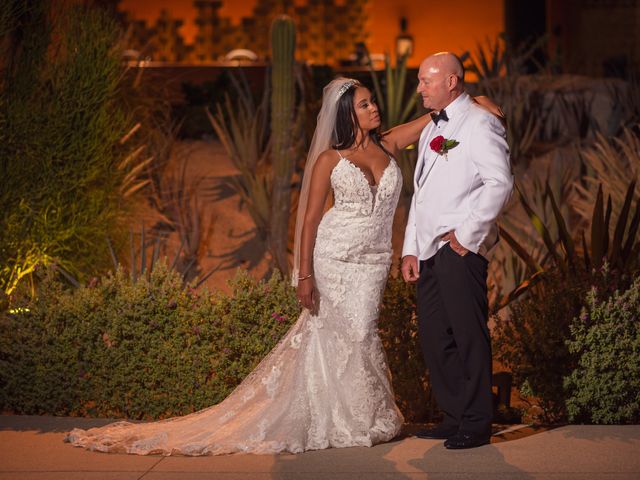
<point x="491" y="107"/>
<point x="307" y="294"/>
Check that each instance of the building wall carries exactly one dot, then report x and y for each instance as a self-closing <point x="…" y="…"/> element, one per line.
<point x="435" y="26"/>
<point x="595" y="37"/>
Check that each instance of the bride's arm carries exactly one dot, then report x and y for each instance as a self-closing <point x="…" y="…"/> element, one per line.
<point x="489" y="105"/>
<point x="318" y="192"/>
<point x="401" y="136"/>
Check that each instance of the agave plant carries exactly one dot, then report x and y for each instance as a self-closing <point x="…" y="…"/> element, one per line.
<point x="396" y="108"/>
<point x="242" y="127"/>
<point x="621" y="252"/>
<point x="490" y="59"/>
<point x="498" y="58"/>
<point x="142" y="262"/>
<point x="176" y="203"/>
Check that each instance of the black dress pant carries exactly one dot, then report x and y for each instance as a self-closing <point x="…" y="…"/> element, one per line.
<point x="454" y="337"/>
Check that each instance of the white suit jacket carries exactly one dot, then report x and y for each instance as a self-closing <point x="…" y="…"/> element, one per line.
<point x="463" y="191"/>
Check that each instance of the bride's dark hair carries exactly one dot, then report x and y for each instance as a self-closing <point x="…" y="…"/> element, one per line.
<point x="347" y="124"/>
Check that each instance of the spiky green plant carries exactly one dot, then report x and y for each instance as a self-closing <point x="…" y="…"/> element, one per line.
<point x="567" y="254"/>
<point x="65" y="158"/>
<point x="242" y="127"/>
<point x="499" y="57"/>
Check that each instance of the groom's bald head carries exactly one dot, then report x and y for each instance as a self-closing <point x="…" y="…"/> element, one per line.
<point x="448" y="63"/>
<point x="440" y="80"/>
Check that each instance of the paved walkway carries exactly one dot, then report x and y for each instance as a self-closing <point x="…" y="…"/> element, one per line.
<point x="32" y="448"/>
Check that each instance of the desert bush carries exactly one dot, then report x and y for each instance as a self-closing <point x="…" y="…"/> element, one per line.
<point x="611" y="162"/>
<point x="530" y="340"/>
<point x="604" y="387"/>
<point x="143" y="348"/>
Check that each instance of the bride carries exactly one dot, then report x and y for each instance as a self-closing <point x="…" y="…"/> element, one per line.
<point x="326" y="383"/>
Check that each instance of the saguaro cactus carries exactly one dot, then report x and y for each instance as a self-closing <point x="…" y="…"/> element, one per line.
<point x="283" y="44"/>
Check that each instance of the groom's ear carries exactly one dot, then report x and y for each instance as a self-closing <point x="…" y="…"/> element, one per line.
<point x="453" y="81"/>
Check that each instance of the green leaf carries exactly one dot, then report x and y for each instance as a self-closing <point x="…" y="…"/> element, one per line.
<point x="607" y="221"/>
<point x="541" y="228"/>
<point x="587" y="260"/>
<point x="565" y="236"/>
<point x="621" y="224"/>
<point x="631" y="235"/>
<point x="598" y="230"/>
<point x="449" y="144"/>
<point x="520" y="250"/>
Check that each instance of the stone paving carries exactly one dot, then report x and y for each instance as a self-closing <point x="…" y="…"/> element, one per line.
<point x="32" y="447"/>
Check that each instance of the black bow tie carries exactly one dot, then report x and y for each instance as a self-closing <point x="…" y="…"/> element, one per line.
<point x="442" y="115"/>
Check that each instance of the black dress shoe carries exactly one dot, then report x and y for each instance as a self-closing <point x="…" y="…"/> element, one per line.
<point x="463" y="440"/>
<point x="441" y="432"/>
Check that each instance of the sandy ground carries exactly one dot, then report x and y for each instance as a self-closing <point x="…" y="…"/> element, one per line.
<point x="231" y="243"/>
<point x="227" y="228"/>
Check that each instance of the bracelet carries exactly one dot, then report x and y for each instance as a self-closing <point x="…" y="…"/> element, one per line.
<point x="305" y="277"/>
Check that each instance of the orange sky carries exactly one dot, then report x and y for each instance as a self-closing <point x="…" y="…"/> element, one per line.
<point x="435" y="26"/>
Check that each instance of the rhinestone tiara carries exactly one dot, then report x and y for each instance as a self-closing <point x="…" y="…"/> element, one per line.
<point x="345" y="86"/>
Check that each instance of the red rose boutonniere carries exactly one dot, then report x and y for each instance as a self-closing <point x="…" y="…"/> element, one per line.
<point x="442" y="145"/>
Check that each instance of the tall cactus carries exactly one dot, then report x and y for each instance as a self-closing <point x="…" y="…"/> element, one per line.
<point x="283" y="44"/>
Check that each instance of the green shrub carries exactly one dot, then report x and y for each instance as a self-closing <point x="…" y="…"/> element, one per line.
<point x="605" y="385"/>
<point x="143" y="349"/>
<point x="149" y="348"/>
<point x="530" y="341"/>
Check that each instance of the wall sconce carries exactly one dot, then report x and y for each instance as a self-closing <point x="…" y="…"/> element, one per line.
<point x="404" y="41"/>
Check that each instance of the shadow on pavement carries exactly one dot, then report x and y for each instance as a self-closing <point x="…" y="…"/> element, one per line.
<point x="407" y="458"/>
<point x="353" y="463"/>
<point x="477" y="463"/>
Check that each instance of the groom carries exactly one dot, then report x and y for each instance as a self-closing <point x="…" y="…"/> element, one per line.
<point x="462" y="181"/>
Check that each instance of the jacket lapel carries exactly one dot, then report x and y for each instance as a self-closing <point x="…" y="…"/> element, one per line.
<point x="423" y="153"/>
<point x="448" y="132"/>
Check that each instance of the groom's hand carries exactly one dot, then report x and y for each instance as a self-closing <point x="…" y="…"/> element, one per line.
<point x="455" y="245"/>
<point x="409" y="268"/>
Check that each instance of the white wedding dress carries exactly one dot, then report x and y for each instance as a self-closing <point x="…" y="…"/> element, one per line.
<point x="326" y="383"/>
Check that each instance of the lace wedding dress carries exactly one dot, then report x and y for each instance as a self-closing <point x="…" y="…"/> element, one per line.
<point x="326" y="383"/>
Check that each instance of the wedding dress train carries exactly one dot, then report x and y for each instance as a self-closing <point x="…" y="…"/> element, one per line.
<point x="326" y="383"/>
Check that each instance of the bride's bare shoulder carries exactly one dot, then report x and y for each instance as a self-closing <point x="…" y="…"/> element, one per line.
<point x="328" y="159"/>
